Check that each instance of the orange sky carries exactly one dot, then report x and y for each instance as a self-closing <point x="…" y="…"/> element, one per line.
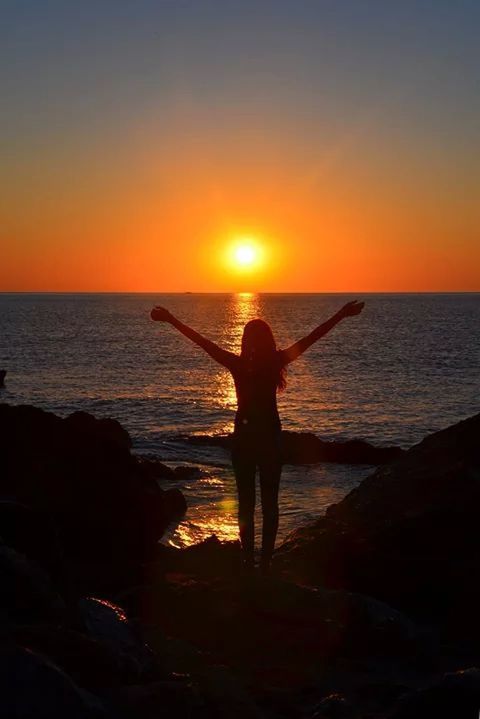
<point x="336" y="224"/>
<point x="351" y="179"/>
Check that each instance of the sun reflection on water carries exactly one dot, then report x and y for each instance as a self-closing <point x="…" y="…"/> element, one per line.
<point x="243" y="307"/>
<point x="219" y="518"/>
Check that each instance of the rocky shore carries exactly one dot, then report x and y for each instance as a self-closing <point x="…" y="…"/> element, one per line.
<point x="372" y="611"/>
<point x="307" y="448"/>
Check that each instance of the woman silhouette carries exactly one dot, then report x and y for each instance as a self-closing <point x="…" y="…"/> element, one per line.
<point x="258" y="372"/>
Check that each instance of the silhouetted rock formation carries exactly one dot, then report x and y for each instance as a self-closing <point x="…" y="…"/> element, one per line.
<point x="307" y="448"/>
<point x="152" y="468"/>
<point x="32" y="686"/>
<point x="408" y="534"/>
<point x="454" y="695"/>
<point x="80" y="473"/>
<point x="27" y="590"/>
<point x="193" y="637"/>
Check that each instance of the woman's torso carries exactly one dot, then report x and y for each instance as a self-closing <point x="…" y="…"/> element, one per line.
<point x="256" y="389"/>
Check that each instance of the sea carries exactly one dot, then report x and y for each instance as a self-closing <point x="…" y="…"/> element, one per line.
<point x="407" y="366"/>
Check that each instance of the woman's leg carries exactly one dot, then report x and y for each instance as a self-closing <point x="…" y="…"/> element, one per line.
<point x="244" y="468"/>
<point x="270" y="467"/>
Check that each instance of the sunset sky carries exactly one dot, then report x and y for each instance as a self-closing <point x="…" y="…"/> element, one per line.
<point x="144" y="140"/>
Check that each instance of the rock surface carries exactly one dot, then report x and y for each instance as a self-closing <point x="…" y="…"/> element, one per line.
<point x="408" y="534"/>
<point x="372" y="613"/>
<point x="32" y="686"/>
<point x="79" y="471"/>
<point x="307" y="448"/>
<point x="454" y="695"/>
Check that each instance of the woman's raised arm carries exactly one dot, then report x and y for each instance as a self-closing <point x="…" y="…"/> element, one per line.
<point x="223" y="357"/>
<point x="349" y="310"/>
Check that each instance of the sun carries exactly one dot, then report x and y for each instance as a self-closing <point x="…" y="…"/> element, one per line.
<point x="245" y="254"/>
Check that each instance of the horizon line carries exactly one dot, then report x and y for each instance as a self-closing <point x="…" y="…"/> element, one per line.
<point x="238" y="292"/>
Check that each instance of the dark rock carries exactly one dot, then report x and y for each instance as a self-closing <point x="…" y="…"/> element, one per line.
<point x="153" y="468"/>
<point x="307" y="448"/>
<point x="407" y="534"/>
<point x="85" y="425"/>
<point x="225" y="695"/>
<point x="174" y="503"/>
<point x="279" y="632"/>
<point x="107" y="623"/>
<point x="91" y="664"/>
<point x="176" y="697"/>
<point x="79" y="472"/>
<point x="27" y="593"/>
<point x="382" y="694"/>
<point x="31" y="686"/>
<point x="210" y="558"/>
<point x="32" y="533"/>
<point x="229" y="644"/>
<point x="3" y="374"/>
<point x="184" y="472"/>
<point x="213" y="693"/>
<point x="455" y="695"/>
<point x="334" y="706"/>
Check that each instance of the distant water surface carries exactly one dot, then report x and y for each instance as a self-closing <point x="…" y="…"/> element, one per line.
<point x="409" y="365"/>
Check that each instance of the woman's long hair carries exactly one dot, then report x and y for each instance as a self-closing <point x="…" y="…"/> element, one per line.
<point x="259" y="350"/>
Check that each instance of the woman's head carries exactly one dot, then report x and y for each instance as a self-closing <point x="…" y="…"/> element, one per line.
<point x="260" y="350"/>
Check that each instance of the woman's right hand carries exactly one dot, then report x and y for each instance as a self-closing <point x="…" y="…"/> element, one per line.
<point x="160" y="314"/>
<point x="352" y="308"/>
